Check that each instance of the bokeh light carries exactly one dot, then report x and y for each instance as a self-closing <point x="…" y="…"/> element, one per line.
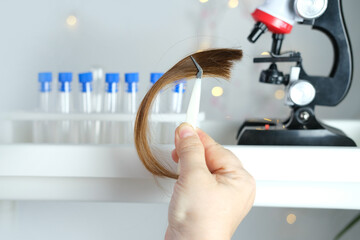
<point x="291" y="218"/>
<point x="71" y="20"/>
<point x="233" y="3"/>
<point x="217" y="91"/>
<point x="279" y="94"/>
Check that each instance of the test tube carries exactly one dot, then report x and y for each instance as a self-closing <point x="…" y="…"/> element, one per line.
<point x="111" y="90"/>
<point x="131" y="80"/>
<point x="86" y="107"/>
<point x="45" y="79"/>
<point x="177" y="96"/>
<point x="41" y="130"/>
<point x="98" y="93"/>
<point x="156" y="105"/>
<point x="110" y="129"/>
<point x="176" y="107"/>
<point x="66" y="130"/>
<point x="156" y="109"/>
<point x="64" y="100"/>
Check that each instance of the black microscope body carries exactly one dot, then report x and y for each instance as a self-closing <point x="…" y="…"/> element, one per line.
<point x="304" y="92"/>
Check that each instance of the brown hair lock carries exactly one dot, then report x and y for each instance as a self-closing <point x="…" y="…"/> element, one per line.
<point x="214" y="62"/>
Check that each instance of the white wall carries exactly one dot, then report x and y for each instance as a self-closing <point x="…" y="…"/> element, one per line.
<point x="148" y="36"/>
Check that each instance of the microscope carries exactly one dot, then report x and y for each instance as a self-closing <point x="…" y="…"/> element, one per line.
<point x="302" y="91"/>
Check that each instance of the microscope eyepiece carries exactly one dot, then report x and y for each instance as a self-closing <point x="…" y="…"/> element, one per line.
<point x="257" y="31"/>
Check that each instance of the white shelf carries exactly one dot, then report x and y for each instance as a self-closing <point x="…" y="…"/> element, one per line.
<point x="286" y="176"/>
<point x="308" y="177"/>
<point x="120" y="117"/>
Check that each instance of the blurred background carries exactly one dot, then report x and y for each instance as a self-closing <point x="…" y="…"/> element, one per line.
<point x="150" y="36"/>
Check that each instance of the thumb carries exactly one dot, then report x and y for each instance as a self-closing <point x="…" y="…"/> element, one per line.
<point x="190" y="149"/>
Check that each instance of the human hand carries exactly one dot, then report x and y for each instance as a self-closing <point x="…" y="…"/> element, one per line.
<point x="213" y="193"/>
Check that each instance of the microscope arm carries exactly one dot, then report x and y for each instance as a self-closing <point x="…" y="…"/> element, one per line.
<point x="332" y="89"/>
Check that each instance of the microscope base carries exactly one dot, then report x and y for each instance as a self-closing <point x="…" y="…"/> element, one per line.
<point x="274" y="134"/>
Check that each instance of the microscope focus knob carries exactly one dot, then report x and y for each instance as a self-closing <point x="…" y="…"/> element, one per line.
<point x="301" y="92"/>
<point x="310" y="9"/>
<point x="272" y="75"/>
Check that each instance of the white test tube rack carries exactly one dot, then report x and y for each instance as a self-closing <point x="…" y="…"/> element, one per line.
<point x="16" y="127"/>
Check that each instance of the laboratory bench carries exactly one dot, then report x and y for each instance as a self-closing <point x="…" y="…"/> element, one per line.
<point x="286" y="176"/>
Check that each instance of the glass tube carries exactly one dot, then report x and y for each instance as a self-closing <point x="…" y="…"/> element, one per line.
<point x="156" y="126"/>
<point x="86" y="107"/>
<point x="111" y="129"/>
<point x="98" y="95"/>
<point x="42" y="129"/>
<point x="66" y="130"/>
<point x="131" y="79"/>
<point x="131" y="99"/>
<point x="45" y="101"/>
<point x="168" y="129"/>
<point x="177" y="98"/>
<point x="110" y="100"/>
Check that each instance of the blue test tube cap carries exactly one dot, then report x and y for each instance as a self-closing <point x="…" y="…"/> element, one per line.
<point x="86" y="79"/>
<point x="111" y="78"/>
<point x="155" y="76"/>
<point x="45" y="78"/>
<point x="131" y="78"/>
<point x="65" y="79"/>
<point x="180" y="84"/>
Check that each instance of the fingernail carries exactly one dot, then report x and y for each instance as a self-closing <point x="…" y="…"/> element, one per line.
<point x="186" y="131"/>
